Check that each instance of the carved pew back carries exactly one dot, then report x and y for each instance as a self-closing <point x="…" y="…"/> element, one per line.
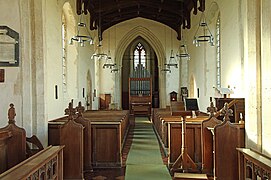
<point x="207" y="140"/>
<point x="226" y="137"/>
<point x="13" y="150"/>
<point x="87" y="137"/>
<point x="65" y="131"/>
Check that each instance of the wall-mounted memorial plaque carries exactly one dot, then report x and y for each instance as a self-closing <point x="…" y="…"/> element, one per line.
<point x="9" y="47"/>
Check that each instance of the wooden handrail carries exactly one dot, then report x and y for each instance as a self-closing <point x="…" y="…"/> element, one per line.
<point x="47" y="164"/>
<point x="251" y="163"/>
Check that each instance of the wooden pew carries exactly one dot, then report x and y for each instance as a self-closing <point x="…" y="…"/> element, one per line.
<point x="65" y="131"/>
<point x="158" y="123"/>
<point x="4" y="136"/>
<point x="87" y="138"/>
<point x="193" y="138"/>
<point x="103" y="136"/>
<point x="110" y="116"/>
<point x="13" y="143"/>
<point x="168" y="125"/>
<point x="177" y="106"/>
<point x="207" y="140"/>
<point x="46" y="164"/>
<point x="227" y="137"/>
<point x="109" y="131"/>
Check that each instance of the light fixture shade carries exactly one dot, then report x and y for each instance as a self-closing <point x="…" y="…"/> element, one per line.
<point x="81" y="39"/>
<point x="100" y="54"/>
<point x="183" y="53"/>
<point x="166" y="70"/>
<point x="172" y="61"/>
<point x="109" y="62"/>
<point x="203" y="33"/>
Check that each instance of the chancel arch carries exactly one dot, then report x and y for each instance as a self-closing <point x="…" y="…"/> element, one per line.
<point x="139" y="54"/>
<point x="158" y="49"/>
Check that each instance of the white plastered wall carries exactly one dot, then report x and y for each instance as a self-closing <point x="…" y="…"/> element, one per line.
<point x="12" y="86"/>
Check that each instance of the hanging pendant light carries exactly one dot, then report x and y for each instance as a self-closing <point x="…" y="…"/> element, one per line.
<point x="172" y="61"/>
<point x="108" y="61"/>
<point x="81" y="39"/>
<point x="183" y="53"/>
<point x="99" y="54"/>
<point x="116" y="67"/>
<point x="166" y="70"/>
<point x="203" y="33"/>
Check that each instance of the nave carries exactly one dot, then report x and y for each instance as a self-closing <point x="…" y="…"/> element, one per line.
<point x="70" y="155"/>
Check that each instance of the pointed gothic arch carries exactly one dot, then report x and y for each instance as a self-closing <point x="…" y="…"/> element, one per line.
<point x="158" y="49"/>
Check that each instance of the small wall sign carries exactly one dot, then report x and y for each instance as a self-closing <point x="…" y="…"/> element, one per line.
<point x="2" y="75"/>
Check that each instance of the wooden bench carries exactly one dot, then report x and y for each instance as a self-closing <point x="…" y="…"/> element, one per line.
<point x="46" y="164"/>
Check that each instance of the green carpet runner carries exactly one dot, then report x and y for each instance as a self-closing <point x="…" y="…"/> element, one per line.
<point x="144" y="160"/>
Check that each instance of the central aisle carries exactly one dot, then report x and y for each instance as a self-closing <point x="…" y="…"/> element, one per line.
<point x="144" y="160"/>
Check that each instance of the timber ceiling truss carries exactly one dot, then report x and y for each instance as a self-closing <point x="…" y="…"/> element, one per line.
<point x="173" y="13"/>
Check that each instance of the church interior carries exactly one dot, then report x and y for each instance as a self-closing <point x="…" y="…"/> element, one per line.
<point x="132" y="89"/>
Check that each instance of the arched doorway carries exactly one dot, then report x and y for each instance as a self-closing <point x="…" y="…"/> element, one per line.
<point x="139" y="51"/>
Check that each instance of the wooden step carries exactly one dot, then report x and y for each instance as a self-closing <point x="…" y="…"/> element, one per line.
<point x="184" y="176"/>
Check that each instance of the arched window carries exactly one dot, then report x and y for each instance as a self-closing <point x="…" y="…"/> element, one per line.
<point x="64" y="53"/>
<point x="218" y="54"/>
<point x="139" y="55"/>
